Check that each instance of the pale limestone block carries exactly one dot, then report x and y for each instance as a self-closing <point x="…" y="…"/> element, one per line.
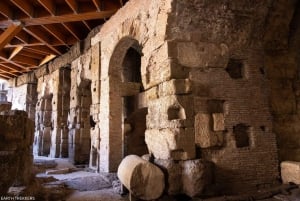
<point x="204" y="136"/>
<point x="170" y="111"/>
<point x="151" y="93"/>
<point x="218" y="121"/>
<point x="177" y="144"/>
<point x="290" y="172"/>
<point x="160" y="72"/>
<point x="202" y="54"/>
<point x="175" y="86"/>
<point x="143" y="179"/>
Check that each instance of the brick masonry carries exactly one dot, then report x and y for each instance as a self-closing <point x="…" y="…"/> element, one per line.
<point x="214" y="85"/>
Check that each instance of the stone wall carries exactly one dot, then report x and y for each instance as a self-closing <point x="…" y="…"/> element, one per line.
<point x="23" y="93"/>
<point x="15" y="149"/>
<point x="194" y="80"/>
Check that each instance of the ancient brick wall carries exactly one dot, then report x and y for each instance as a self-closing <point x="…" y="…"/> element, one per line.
<point x="220" y="44"/>
<point x="194" y="80"/>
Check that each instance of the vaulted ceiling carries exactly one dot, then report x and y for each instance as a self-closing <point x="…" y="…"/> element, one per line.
<point x="32" y="32"/>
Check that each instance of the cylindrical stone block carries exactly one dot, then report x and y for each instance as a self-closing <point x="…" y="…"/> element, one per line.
<point x="143" y="179"/>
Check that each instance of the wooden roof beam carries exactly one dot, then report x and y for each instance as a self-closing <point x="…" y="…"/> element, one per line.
<point x="56" y="33"/>
<point x="41" y="37"/>
<point x="25" y="6"/>
<point x="35" y="55"/>
<point x="48" y="5"/>
<point x="3" y="76"/>
<point x="15" y="51"/>
<point x="72" y="30"/>
<point x="3" y="56"/>
<point x="98" y="4"/>
<point x="74" y="6"/>
<point x="5" y="69"/>
<point x="5" y="10"/>
<point x="47" y="59"/>
<point x="9" y="33"/>
<point x="67" y="18"/>
<point x="12" y="67"/>
<point x="25" y="60"/>
<point x="40" y="49"/>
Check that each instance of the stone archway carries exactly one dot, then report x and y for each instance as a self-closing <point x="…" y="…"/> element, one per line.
<point x="125" y="105"/>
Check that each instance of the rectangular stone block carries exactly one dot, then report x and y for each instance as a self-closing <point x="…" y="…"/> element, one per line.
<point x="160" y="72"/>
<point x="218" y="121"/>
<point x="26" y="79"/>
<point x="175" y="87"/>
<point x="170" y="112"/>
<point x="201" y="54"/>
<point x="290" y="172"/>
<point x="204" y="135"/>
<point x="177" y="144"/>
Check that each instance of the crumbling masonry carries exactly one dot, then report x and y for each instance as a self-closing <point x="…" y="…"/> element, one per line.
<point x="186" y="81"/>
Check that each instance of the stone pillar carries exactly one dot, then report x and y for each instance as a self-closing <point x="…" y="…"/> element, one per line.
<point x="79" y="116"/>
<point x="60" y="108"/>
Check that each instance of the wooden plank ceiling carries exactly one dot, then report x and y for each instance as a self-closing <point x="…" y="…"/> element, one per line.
<point x="32" y="32"/>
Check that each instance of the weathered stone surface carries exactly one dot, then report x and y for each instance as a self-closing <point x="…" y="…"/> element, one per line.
<point x="143" y="179"/>
<point x="204" y="135"/>
<point x="189" y="177"/>
<point x="28" y="78"/>
<point x="196" y="174"/>
<point x="177" y="144"/>
<point x="175" y="86"/>
<point x="290" y="172"/>
<point x="170" y="112"/>
<point x="202" y="55"/>
<point x="218" y="121"/>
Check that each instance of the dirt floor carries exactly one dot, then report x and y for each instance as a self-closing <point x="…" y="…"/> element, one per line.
<point x="59" y="180"/>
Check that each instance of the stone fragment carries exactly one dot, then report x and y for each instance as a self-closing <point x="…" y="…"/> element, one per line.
<point x="143" y="179"/>
<point x="204" y="136"/>
<point x="177" y="144"/>
<point x="175" y="86"/>
<point x="196" y="174"/>
<point x="218" y="121"/>
<point x="290" y="172"/>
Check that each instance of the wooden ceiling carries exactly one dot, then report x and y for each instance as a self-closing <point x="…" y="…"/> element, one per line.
<point x="32" y="32"/>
